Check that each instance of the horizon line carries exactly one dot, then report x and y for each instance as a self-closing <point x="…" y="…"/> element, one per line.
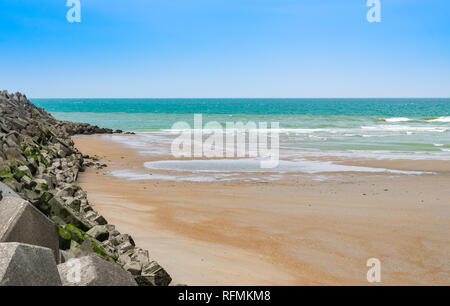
<point x="238" y="98"/>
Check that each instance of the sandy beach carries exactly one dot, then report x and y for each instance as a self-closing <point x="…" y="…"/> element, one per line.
<point x="292" y="231"/>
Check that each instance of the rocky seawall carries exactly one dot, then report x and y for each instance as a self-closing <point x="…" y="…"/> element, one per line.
<point x="49" y="234"/>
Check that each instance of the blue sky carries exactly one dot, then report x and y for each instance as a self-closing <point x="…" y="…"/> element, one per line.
<point x="225" y="48"/>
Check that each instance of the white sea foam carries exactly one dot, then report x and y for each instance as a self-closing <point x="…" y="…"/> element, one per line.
<point x="136" y="176"/>
<point x="280" y="131"/>
<point x="158" y="143"/>
<point x="441" y="119"/>
<point x="222" y="177"/>
<point x="405" y="128"/>
<point x="397" y="119"/>
<point x="252" y="165"/>
<point x="224" y="170"/>
<point x="380" y="155"/>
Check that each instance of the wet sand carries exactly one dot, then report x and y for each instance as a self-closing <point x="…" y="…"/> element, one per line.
<point x="294" y="231"/>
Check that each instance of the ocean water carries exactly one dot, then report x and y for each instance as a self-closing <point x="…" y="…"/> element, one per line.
<point x="316" y="135"/>
<point x="399" y="125"/>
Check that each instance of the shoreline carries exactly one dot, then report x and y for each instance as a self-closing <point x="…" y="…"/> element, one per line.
<point x="231" y="233"/>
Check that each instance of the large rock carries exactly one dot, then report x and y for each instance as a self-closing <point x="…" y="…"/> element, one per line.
<point x="57" y="207"/>
<point x="65" y="256"/>
<point x="13" y="153"/>
<point x="13" y="184"/>
<point x="22" y="222"/>
<point x="120" y="239"/>
<point x="99" y="232"/>
<point x="7" y="192"/>
<point x="154" y="275"/>
<point x="133" y="267"/>
<point x="27" y="265"/>
<point x="93" y="271"/>
<point x="136" y="255"/>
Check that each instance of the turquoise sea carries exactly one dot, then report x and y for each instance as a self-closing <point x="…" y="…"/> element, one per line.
<point x="370" y="125"/>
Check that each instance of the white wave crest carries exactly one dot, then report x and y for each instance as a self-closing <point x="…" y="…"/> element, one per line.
<point x="397" y="119"/>
<point x="441" y="119"/>
<point x="405" y="128"/>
